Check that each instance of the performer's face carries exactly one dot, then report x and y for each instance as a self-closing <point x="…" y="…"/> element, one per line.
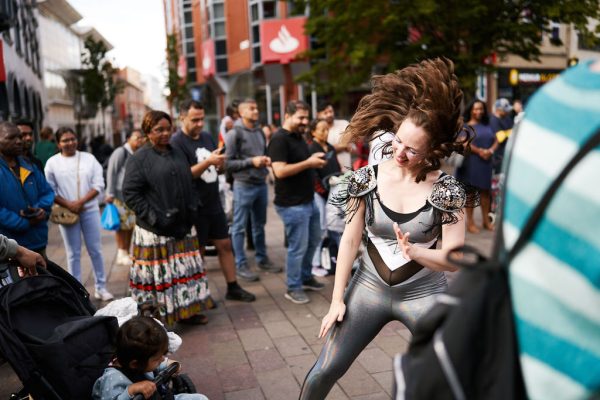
<point x="409" y="144"/>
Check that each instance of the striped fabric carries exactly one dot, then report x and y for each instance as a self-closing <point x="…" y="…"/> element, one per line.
<point x="555" y="279"/>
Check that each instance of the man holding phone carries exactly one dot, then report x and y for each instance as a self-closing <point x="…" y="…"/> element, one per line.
<point x="205" y="161"/>
<point x="25" y="195"/>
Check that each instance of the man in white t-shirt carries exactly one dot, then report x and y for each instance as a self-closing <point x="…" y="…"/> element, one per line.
<point x="336" y="128"/>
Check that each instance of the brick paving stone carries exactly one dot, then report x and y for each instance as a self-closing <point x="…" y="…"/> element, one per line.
<point x="248" y="394"/>
<point x="372" y="396"/>
<point x="280" y="329"/>
<point x="278" y="384"/>
<point x="310" y="334"/>
<point x="385" y="380"/>
<point x="300" y="365"/>
<point x="237" y="378"/>
<point x="375" y="360"/>
<point x="301" y="316"/>
<point x="292" y="346"/>
<point x="228" y="354"/>
<point x="356" y="381"/>
<point x="255" y="339"/>
<point x="391" y="345"/>
<point x="336" y="393"/>
<point x="265" y="360"/>
<point x="270" y="313"/>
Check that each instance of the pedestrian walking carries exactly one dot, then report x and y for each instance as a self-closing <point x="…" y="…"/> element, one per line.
<point x="206" y="161"/>
<point x="76" y="178"/>
<point x="167" y="265"/>
<point x="403" y="206"/>
<point x="115" y="175"/>
<point x="247" y="161"/>
<point x="26" y="197"/>
<point x="293" y="166"/>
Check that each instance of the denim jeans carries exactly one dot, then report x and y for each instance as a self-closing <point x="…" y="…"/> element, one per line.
<point x="303" y="231"/>
<point x="89" y="225"/>
<point x="249" y="200"/>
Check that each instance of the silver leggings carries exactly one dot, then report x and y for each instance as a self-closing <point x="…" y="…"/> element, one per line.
<point x="370" y="305"/>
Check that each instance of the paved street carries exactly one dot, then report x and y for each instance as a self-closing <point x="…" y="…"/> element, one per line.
<point x="260" y="350"/>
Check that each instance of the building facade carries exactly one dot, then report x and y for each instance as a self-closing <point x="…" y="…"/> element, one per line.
<point x="130" y="105"/>
<point x="62" y="46"/>
<point x="21" y="67"/>
<point x="242" y="48"/>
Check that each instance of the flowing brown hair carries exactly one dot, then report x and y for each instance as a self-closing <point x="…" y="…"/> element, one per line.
<point x="428" y="94"/>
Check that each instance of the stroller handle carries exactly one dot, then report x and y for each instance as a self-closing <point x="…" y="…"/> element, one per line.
<point x="163" y="377"/>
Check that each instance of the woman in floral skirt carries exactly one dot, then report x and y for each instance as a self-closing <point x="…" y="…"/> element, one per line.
<point x="167" y="266"/>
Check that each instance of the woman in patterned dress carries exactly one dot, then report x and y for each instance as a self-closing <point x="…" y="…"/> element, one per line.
<point x="167" y="266"/>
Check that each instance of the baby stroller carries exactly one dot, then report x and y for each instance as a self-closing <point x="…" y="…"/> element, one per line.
<point x="51" y="339"/>
<point x="49" y="336"/>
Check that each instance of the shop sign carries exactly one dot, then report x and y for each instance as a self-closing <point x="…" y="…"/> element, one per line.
<point x="536" y="77"/>
<point x="282" y="40"/>
<point x="208" y="58"/>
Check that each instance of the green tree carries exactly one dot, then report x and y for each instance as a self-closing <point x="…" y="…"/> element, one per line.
<point x="100" y="83"/>
<point x="354" y="39"/>
<point x="175" y="84"/>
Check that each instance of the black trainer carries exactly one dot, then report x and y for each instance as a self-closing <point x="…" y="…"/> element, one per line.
<point x="312" y="284"/>
<point x="239" y="294"/>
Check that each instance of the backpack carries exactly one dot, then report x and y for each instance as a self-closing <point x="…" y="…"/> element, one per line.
<point x="465" y="347"/>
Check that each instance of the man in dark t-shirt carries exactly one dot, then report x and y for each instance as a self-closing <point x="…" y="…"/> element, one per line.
<point x="293" y="166"/>
<point x="205" y="160"/>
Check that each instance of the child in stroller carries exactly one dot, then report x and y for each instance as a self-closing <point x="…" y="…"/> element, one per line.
<point x="141" y="350"/>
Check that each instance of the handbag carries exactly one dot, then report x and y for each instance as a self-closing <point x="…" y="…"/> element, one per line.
<point x="62" y="215"/>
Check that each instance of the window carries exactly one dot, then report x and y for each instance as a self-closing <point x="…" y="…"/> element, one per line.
<point x="189" y="48"/>
<point x="189" y="32"/>
<point x="256" y="55"/>
<point x="296" y="8"/>
<point x="218" y="11"/>
<point x="254" y="13"/>
<point x="219" y="29"/>
<point x="191" y="63"/>
<point x="221" y="65"/>
<point x="187" y="17"/>
<point x="220" y="47"/>
<point x="255" y="34"/>
<point x="269" y="9"/>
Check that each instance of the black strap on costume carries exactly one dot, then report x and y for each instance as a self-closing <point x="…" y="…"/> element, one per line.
<point x="396" y="276"/>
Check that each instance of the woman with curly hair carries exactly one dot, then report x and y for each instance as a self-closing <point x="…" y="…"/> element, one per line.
<point x="403" y="206"/>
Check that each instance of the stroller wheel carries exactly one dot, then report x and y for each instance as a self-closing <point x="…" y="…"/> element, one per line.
<point x="183" y="384"/>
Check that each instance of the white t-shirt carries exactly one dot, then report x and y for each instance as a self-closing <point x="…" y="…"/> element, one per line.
<point x="61" y="173"/>
<point x="335" y="133"/>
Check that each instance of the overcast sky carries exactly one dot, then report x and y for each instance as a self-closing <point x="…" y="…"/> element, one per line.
<point x="135" y="28"/>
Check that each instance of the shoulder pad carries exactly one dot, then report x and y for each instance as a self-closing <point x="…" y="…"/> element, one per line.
<point x="448" y="194"/>
<point x="361" y="181"/>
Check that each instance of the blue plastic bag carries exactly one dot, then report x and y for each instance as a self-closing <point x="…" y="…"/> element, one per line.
<point x="110" y="218"/>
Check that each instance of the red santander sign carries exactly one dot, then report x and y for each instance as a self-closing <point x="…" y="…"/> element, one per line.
<point x="208" y="58"/>
<point x="282" y="40"/>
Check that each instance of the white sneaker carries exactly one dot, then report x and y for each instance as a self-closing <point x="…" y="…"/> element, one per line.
<point x="103" y="294"/>
<point x="319" y="271"/>
<point x="123" y="258"/>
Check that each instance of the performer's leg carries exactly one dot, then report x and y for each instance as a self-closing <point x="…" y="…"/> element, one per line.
<point x="367" y="311"/>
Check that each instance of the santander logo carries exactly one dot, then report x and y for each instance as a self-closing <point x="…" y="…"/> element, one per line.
<point x="284" y="42"/>
<point x="206" y="61"/>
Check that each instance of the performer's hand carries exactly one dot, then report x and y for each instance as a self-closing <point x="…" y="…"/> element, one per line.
<point x="335" y="314"/>
<point x="403" y="243"/>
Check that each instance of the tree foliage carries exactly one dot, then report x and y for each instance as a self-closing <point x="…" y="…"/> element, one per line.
<point x="175" y="84"/>
<point x="354" y="39"/>
<point x="100" y="83"/>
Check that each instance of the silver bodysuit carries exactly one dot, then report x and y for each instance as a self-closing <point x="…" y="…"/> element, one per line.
<point x="373" y="299"/>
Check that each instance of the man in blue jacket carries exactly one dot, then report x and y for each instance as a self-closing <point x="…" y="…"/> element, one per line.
<point x="25" y="195"/>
